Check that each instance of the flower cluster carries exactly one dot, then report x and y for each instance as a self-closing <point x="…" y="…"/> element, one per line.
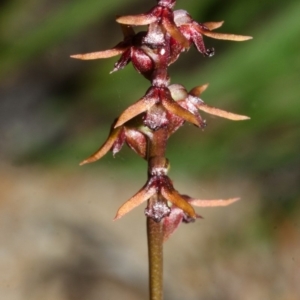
<point x="146" y="125"/>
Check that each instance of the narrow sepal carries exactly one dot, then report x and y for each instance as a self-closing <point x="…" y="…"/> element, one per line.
<point x="141" y="196"/>
<point x="141" y="19"/>
<point x="170" y="194"/>
<point x="221" y="113"/>
<point x="137" y="108"/>
<point x="176" y="109"/>
<point x="226" y="36"/>
<point x="174" y="32"/>
<point x="213" y="203"/>
<point x="100" y="54"/>
<point x="104" y="148"/>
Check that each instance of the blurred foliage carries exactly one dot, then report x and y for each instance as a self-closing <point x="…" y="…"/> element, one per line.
<point x="58" y="111"/>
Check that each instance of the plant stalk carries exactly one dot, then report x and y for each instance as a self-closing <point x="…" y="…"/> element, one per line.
<point x="155" y="254"/>
<point x="157" y="148"/>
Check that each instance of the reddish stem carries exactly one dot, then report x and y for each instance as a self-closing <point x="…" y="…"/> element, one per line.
<point x="155" y="254"/>
<point x="157" y="148"/>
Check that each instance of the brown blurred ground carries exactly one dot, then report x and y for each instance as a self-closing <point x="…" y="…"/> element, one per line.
<point x="58" y="241"/>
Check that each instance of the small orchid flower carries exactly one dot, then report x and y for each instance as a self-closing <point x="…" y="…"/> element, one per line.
<point x="130" y="49"/>
<point x="194" y="32"/>
<point x="160" y="186"/>
<point x="157" y="96"/>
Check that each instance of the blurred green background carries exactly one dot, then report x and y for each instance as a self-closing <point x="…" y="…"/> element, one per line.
<point x="55" y="111"/>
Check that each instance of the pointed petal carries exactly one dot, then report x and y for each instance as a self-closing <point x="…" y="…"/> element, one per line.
<point x="226" y="36"/>
<point x="174" y="32"/>
<point x="176" y="109"/>
<point x="213" y="25"/>
<point x="141" y="19"/>
<point x="132" y="111"/>
<point x="141" y="196"/>
<point x="213" y="203"/>
<point x="170" y="194"/>
<point x="221" y="113"/>
<point x="100" y="54"/>
<point x="198" y="90"/>
<point x="104" y="148"/>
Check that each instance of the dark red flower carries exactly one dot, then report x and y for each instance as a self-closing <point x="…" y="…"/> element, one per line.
<point x="130" y="49"/>
<point x="159" y="185"/>
<point x="161" y="97"/>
